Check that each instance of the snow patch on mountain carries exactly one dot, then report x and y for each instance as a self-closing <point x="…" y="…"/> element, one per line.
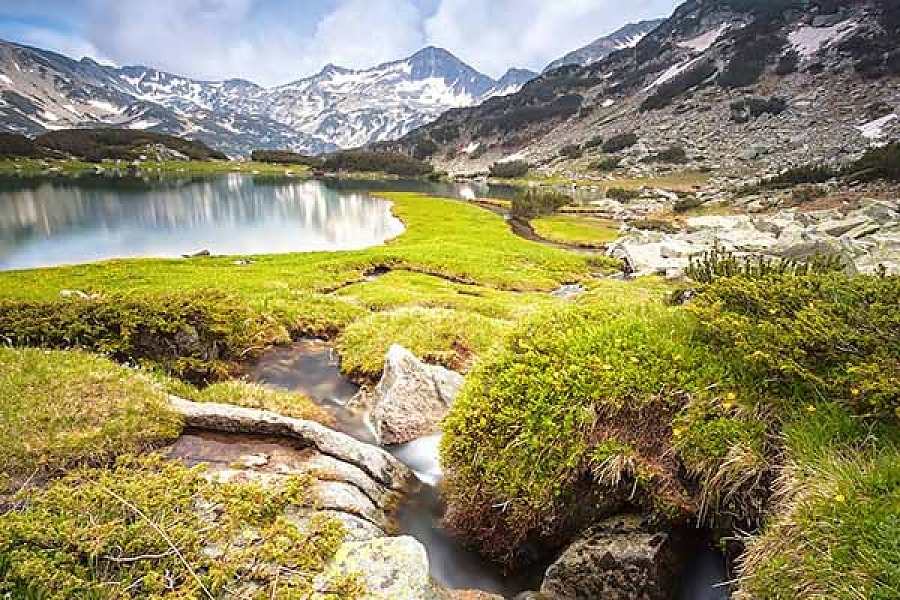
<point x="809" y="40"/>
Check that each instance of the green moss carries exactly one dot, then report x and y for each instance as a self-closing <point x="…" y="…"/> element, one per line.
<point x="250" y="395"/>
<point x="438" y="335"/>
<point x="576" y="230"/>
<point x="533" y="416"/>
<point x="155" y="529"/>
<point x="62" y="409"/>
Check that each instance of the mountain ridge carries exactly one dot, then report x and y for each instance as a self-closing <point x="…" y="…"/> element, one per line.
<point x="624" y="37"/>
<point x="334" y="108"/>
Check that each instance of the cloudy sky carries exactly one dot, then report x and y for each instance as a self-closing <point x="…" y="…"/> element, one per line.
<point x="273" y="42"/>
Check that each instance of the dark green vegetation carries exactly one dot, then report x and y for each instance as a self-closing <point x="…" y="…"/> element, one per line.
<point x="512" y="169"/>
<point x="368" y="161"/>
<point x="671" y="155"/>
<point x="622" y="194"/>
<point x="619" y="142"/>
<point x="285" y="157"/>
<point x="876" y="163"/>
<point x="538" y="202"/>
<point x="743" y="111"/>
<point x="13" y="145"/>
<point x="768" y="382"/>
<point x="126" y="144"/>
<point x="572" y="151"/>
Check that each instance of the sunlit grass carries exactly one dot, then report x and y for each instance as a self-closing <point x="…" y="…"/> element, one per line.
<point x="576" y="230"/>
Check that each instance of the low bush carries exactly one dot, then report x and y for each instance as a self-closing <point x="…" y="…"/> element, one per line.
<point x="610" y="163"/>
<point x="661" y="225"/>
<point x="688" y="203"/>
<point x="571" y="151"/>
<point x="742" y="111"/>
<point x="622" y="194"/>
<point x="819" y="334"/>
<point x="126" y="144"/>
<point x="13" y="145"/>
<point x="512" y="169"/>
<point x="877" y="163"/>
<point x="801" y="175"/>
<point x="537" y="202"/>
<point x="594" y="142"/>
<point x="198" y="336"/>
<point x="788" y="63"/>
<point x="619" y="142"/>
<point x="368" y="161"/>
<point x="717" y="264"/>
<point x="672" y="154"/>
<point x="285" y="157"/>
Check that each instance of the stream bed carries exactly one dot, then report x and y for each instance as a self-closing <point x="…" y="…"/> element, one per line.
<point x="311" y="367"/>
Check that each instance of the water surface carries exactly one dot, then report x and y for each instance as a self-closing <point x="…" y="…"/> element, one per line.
<point x="68" y="221"/>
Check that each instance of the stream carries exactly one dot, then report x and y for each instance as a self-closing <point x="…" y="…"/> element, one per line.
<point x="311" y="367"/>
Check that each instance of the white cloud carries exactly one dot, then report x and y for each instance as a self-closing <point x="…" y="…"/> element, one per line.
<point x="496" y="34"/>
<point x="273" y="42"/>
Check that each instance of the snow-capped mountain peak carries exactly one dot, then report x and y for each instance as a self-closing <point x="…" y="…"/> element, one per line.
<point x="626" y="37"/>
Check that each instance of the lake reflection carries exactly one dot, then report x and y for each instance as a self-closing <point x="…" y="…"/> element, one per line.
<point x="75" y="221"/>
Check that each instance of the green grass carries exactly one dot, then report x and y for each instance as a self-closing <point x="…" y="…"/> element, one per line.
<point x="62" y="409"/>
<point x="444" y="238"/>
<point x="576" y="231"/>
<point x="32" y="166"/>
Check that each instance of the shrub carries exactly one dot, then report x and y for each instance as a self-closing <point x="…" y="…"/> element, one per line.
<point x="537" y="202"/>
<point x="672" y="154"/>
<point x="877" y="163"/>
<point x="688" y="203"/>
<point x="571" y="151"/>
<point x="667" y="91"/>
<point x="744" y="110"/>
<point x="512" y="169"/>
<point x="594" y="142"/>
<point x="126" y="144"/>
<point x="368" y="161"/>
<point x="619" y="142"/>
<point x="622" y="194"/>
<point x="801" y="175"/>
<point x="788" y="63"/>
<point x="610" y="163"/>
<point x="812" y="335"/>
<point x="717" y="264"/>
<point x="13" y="145"/>
<point x="285" y="157"/>
<point x="198" y="336"/>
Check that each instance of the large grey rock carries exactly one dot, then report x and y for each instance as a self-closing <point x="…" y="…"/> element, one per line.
<point x="394" y="568"/>
<point x="412" y="397"/>
<point x="617" y="560"/>
<point x="375" y="462"/>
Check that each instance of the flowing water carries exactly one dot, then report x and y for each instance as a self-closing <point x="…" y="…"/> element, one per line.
<point x="311" y="367"/>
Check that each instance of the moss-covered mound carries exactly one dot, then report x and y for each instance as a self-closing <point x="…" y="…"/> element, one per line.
<point x="687" y="415"/>
<point x="150" y="528"/>
<point x="62" y="409"/>
<point x="199" y="336"/>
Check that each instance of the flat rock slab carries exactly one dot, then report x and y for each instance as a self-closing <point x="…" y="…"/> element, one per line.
<point x="375" y="462"/>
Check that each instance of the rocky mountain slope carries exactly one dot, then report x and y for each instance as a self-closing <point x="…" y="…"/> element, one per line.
<point x="626" y="37"/>
<point x="43" y="91"/>
<point x="772" y="82"/>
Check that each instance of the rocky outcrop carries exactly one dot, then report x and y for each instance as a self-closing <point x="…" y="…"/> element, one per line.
<point x="619" y="559"/>
<point x="412" y="397"/>
<point x="374" y="462"/>
<point x="864" y="238"/>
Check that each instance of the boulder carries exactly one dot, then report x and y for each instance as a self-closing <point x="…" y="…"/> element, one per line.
<point x="619" y="559"/>
<point x="394" y="568"/>
<point x="412" y="397"/>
